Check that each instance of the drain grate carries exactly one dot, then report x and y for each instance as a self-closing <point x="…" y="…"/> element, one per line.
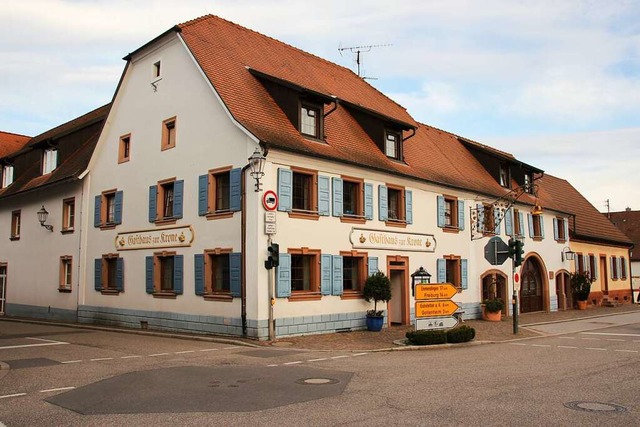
<point x="317" y="381"/>
<point x="595" y="407"/>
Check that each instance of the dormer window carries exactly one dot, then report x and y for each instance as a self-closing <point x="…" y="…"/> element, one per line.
<point x="392" y="144"/>
<point x="310" y="120"/>
<point x="505" y="178"/>
<point x="7" y="176"/>
<point x="527" y="183"/>
<point x="49" y="160"/>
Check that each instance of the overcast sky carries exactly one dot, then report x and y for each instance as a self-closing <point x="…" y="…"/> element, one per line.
<point x="556" y="83"/>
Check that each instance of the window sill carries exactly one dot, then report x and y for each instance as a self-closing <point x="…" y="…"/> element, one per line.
<point x="165" y="295"/>
<point x="218" y="297"/>
<point x="67" y="231"/>
<point x="561" y="241"/>
<point x="108" y="291"/>
<point x="396" y="223"/>
<point x="107" y="226"/>
<point x="353" y="219"/>
<point x="14" y="238"/>
<point x="219" y="215"/>
<point x="64" y="290"/>
<point x="314" y="216"/>
<point x="305" y="296"/>
<point x="166" y="221"/>
<point x="351" y="295"/>
<point x="167" y="147"/>
<point x="123" y="160"/>
<point x="537" y="238"/>
<point x="454" y="230"/>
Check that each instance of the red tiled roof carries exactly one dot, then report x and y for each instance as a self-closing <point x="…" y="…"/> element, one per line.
<point x="629" y="223"/>
<point x="557" y="194"/>
<point x="11" y="142"/>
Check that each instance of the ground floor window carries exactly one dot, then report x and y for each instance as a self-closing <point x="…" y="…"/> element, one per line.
<point x="164" y="274"/>
<point x="354" y="271"/>
<point x="66" y="272"/>
<point x="109" y="273"/>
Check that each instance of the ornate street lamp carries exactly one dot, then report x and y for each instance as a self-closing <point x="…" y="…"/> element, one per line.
<point x="42" y="217"/>
<point x="256" y="164"/>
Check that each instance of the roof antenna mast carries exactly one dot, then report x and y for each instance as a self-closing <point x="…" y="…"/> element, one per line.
<point x="361" y="49"/>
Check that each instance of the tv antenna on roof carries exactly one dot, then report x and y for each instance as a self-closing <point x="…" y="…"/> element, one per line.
<point x="361" y="49"/>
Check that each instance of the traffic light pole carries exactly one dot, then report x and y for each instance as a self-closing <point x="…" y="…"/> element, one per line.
<point x="272" y="300"/>
<point x="514" y="300"/>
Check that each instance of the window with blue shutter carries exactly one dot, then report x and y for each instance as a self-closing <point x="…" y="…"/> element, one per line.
<point x="619" y="260"/>
<point x="235" y="274"/>
<point x="441" y="268"/>
<point x="520" y="224"/>
<point x="149" y="274"/>
<point x="464" y="274"/>
<point x="235" y="187"/>
<point x="336" y="280"/>
<point x="117" y="215"/>
<point x="283" y="277"/>
<point x="530" y="221"/>
<point x="178" y="190"/>
<point x="203" y="195"/>
<point x="408" y="206"/>
<point x="480" y="224"/>
<point x="337" y="196"/>
<point x="97" y="213"/>
<point x="373" y="265"/>
<point x="285" y="189"/>
<point x="541" y="226"/>
<point x="178" y="276"/>
<point x="97" y="274"/>
<point x="120" y="274"/>
<point x="508" y="222"/>
<point x="441" y="214"/>
<point x="566" y="229"/>
<point x="198" y="274"/>
<point x="555" y="229"/>
<point x="153" y="196"/>
<point x="461" y="214"/>
<point x="325" y="274"/>
<point x="323" y="195"/>
<point x="595" y="267"/>
<point x="383" y="207"/>
<point x="368" y="201"/>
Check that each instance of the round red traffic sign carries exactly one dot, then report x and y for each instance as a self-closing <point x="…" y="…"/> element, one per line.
<point x="516" y="277"/>
<point x="270" y="200"/>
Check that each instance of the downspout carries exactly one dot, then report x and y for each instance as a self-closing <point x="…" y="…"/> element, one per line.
<point x="243" y="249"/>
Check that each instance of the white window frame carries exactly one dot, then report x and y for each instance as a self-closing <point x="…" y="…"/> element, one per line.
<point x="49" y="160"/>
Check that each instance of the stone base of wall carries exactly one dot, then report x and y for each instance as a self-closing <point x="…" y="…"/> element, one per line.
<point x="618" y="296"/>
<point x="38" y="312"/>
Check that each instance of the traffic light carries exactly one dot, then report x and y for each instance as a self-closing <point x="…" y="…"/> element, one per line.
<point x="274" y="256"/>
<point x="517" y="261"/>
<point x="512" y="248"/>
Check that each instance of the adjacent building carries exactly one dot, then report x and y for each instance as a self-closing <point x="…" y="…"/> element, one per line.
<point x="628" y="222"/>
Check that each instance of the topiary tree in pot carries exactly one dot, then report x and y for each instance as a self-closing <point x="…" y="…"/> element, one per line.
<point x="377" y="287"/>
<point x="581" y="287"/>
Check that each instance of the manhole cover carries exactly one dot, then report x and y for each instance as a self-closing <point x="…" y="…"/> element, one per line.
<point x="595" y="407"/>
<point x="317" y="381"/>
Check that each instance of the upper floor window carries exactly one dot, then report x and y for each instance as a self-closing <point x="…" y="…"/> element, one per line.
<point x="108" y="209"/>
<point x="219" y="192"/>
<point x="49" y="160"/>
<point x="124" y="148"/>
<point x="7" y="176"/>
<point x="168" y="133"/>
<point x="453" y="269"/>
<point x="165" y="200"/>
<point x="311" y="120"/>
<point x="450" y="213"/>
<point x="536" y="226"/>
<point x="15" y="225"/>
<point x="395" y="205"/>
<point x="68" y="214"/>
<point x="560" y="229"/>
<point x="392" y="141"/>
<point x="518" y="223"/>
<point x="505" y="178"/>
<point x="352" y="198"/>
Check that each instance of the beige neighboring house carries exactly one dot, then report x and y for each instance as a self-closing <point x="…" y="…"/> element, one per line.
<point x="628" y="222"/>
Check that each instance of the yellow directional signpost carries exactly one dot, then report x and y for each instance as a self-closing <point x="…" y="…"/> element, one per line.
<point x="434" y="308"/>
<point x="435" y="291"/>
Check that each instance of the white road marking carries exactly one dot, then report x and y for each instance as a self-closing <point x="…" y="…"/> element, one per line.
<point x="613" y="335"/>
<point x="627" y="351"/>
<point x="594" y="348"/>
<point x="540" y="345"/>
<point x="72" y="361"/>
<point x="271" y="366"/>
<point x="317" y="360"/>
<point x="33" y="345"/>
<point x="568" y="338"/>
<point x="566" y="346"/>
<point x="231" y="348"/>
<point x="517" y="343"/>
<point x="43" y="340"/>
<point x="130" y="357"/>
<point x="293" y="363"/>
<point x="359" y="354"/>
<point x="210" y="349"/>
<point x="339" y="357"/>
<point x="590" y="339"/>
<point x="614" y="339"/>
<point x="158" y="354"/>
<point x="13" y="395"/>
<point x="185" y="352"/>
<point x="57" y="389"/>
<point x="101" y="358"/>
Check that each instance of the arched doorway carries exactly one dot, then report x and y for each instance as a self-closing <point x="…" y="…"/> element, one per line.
<point x="532" y="289"/>
<point x="494" y="285"/>
<point x="563" y="290"/>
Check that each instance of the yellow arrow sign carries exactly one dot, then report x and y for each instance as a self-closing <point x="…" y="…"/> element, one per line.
<point x="435" y="308"/>
<point x="435" y="291"/>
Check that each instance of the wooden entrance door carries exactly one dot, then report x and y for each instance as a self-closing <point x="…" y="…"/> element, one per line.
<point x="531" y="289"/>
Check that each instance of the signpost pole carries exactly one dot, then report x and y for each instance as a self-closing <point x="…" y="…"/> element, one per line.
<point x="271" y="283"/>
<point x="514" y="300"/>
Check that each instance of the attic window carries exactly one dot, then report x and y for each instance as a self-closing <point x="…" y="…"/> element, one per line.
<point x="49" y="160"/>
<point x="505" y="179"/>
<point x="392" y="144"/>
<point x="310" y="120"/>
<point x="156" y="69"/>
<point x="7" y="176"/>
<point x="527" y="183"/>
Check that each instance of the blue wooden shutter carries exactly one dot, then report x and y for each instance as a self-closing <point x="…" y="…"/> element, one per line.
<point x="203" y="195"/>
<point x="530" y="221"/>
<point x="178" y="276"/>
<point x="441" y="267"/>
<point x="153" y="194"/>
<point x="198" y="273"/>
<point x="464" y="274"/>
<point x="178" y="191"/>
<point x="97" y="213"/>
<point x="595" y="267"/>
<point x="441" y="217"/>
<point x="521" y="224"/>
<point x="619" y="260"/>
<point x="480" y="224"/>
<point x="97" y="274"/>
<point x="408" y="206"/>
<point x="149" y="274"/>
<point x="336" y="280"/>
<point x="508" y="222"/>
<point x="285" y="192"/>
<point x="496" y="221"/>
<point x="323" y="195"/>
<point x="460" y="214"/>
<point x="337" y="197"/>
<point x="325" y="274"/>
<point x="283" y="282"/>
<point x="120" y="274"/>
<point x="235" y="271"/>
<point x="585" y="262"/>
<point x="541" y="226"/>
<point x="383" y="203"/>
<point x="368" y="201"/>
<point x="235" y="186"/>
<point x="117" y="212"/>
<point x="373" y="265"/>
<point x="555" y="228"/>
<point x="566" y="229"/>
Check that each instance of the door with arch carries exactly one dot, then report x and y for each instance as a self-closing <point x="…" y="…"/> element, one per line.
<point x="563" y="291"/>
<point x="531" y="290"/>
<point x="494" y="285"/>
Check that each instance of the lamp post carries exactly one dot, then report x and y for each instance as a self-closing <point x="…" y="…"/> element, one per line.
<point x="256" y="165"/>
<point x="42" y="217"/>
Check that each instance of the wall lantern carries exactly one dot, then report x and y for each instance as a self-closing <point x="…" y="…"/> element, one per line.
<point x="567" y="254"/>
<point x="256" y="164"/>
<point x="419" y="277"/>
<point x="42" y="217"/>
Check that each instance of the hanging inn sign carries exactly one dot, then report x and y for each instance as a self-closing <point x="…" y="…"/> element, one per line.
<point x="362" y="238"/>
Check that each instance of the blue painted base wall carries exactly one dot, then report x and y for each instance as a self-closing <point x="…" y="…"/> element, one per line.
<point x="38" y="312"/>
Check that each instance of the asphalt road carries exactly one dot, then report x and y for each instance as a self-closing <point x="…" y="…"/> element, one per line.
<point x="76" y="377"/>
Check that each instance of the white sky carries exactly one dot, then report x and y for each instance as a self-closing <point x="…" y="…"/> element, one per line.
<point x="556" y="83"/>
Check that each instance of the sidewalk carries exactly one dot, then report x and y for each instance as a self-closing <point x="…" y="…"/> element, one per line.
<point x="485" y="331"/>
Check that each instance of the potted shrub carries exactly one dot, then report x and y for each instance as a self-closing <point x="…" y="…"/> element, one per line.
<point x="377" y="287"/>
<point x="492" y="309"/>
<point x="581" y="288"/>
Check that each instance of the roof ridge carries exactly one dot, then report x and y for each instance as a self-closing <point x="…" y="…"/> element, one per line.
<point x="13" y="133"/>
<point x="69" y="121"/>
<point x="304" y="52"/>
